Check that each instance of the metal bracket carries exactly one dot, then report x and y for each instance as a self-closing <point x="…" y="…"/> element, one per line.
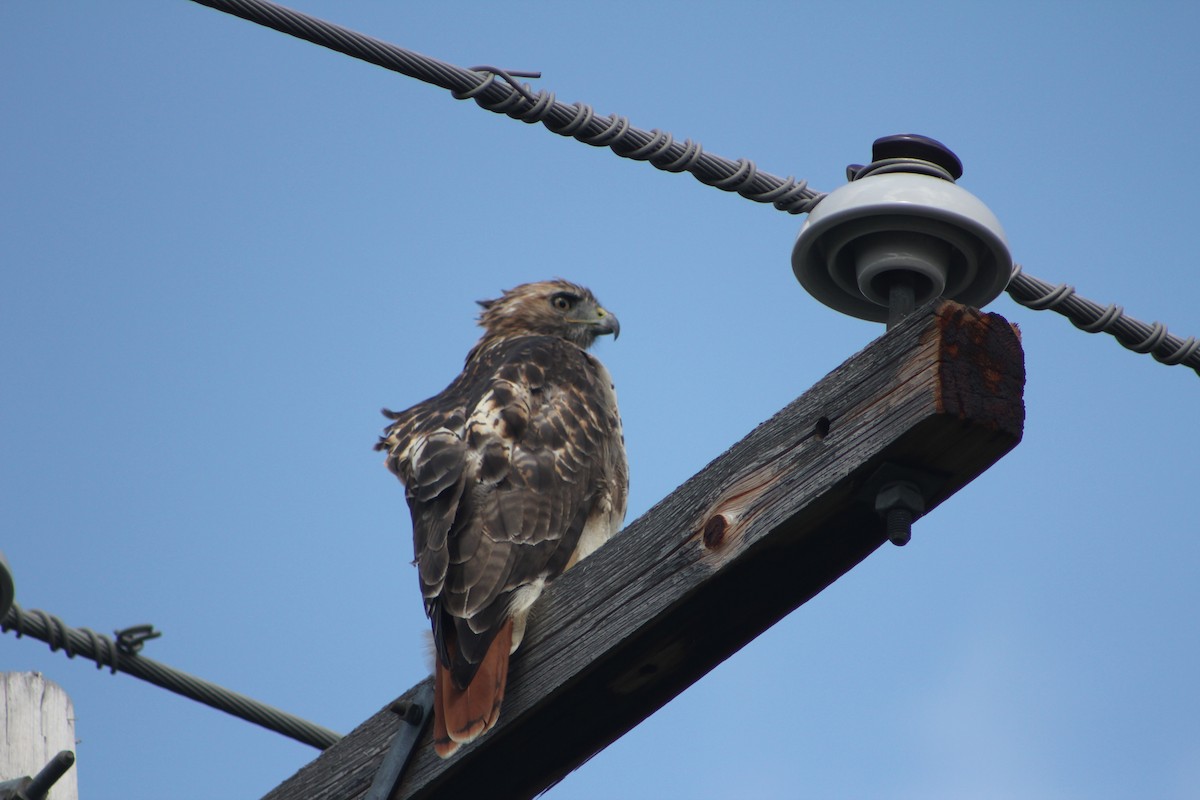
<point x="413" y="713"/>
<point x="130" y="640"/>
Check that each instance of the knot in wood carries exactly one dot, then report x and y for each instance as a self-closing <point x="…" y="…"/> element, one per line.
<point x="714" y="531"/>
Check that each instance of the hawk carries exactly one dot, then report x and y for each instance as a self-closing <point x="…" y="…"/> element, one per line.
<point x="513" y="473"/>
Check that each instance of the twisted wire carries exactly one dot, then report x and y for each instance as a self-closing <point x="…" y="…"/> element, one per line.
<point x="105" y="652"/>
<point x="1093" y="318"/>
<point x="661" y="150"/>
<point x="908" y="165"/>
<point x="518" y="101"/>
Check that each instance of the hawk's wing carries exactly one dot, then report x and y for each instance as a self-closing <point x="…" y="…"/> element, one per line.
<point x="502" y="471"/>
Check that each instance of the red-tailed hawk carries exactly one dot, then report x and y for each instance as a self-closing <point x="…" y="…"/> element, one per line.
<point x="513" y="473"/>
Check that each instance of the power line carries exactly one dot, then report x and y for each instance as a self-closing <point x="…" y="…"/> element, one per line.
<point x="660" y="150"/>
<point x="1091" y="317"/>
<point x="518" y="101"/>
<point x="122" y="656"/>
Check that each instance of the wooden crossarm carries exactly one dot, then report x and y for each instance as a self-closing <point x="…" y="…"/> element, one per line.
<point x="752" y="536"/>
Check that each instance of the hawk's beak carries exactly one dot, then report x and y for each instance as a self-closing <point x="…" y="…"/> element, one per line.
<point x="607" y="323"/>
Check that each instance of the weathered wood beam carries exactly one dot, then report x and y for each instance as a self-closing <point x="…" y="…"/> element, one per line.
<point x="756" y="533"/>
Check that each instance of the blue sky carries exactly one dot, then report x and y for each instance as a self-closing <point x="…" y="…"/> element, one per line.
<point x="223" y="250"/>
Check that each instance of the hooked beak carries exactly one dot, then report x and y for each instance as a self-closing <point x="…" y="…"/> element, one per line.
<point x="596" y="321"/>
<point x="607" y="323"/>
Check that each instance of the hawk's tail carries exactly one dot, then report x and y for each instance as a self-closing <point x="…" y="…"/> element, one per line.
<point x="462" y="715"/>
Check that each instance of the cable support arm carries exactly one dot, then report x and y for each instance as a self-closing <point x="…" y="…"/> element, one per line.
<point x="121" y="656"/>
<point x="516" y="100"/>
<point x="1091" y="317"/>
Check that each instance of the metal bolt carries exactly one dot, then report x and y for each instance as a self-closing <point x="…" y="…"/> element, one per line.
<point x="412" y="713"/>
<point x="900" y="503"/>
<point x="901" y="296"/>
<point x="899" y="526"/>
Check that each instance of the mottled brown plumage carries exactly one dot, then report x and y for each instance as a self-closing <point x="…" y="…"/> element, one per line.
<point x="512" y="473"/>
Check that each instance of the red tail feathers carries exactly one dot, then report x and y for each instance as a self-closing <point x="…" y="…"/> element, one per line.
<point x="462" y="715"/>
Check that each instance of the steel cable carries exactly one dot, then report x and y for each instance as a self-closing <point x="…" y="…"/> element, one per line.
<point x="518" y="101"/>
<point x="1091" y="317"/>
<point x="106" y="652"/>
<point x="660" y="149"/>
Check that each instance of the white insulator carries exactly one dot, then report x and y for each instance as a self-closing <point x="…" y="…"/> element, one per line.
<point x="861" y="235"/>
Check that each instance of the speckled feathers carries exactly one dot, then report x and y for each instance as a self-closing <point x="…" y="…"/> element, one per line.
<point x="512" y="473"/>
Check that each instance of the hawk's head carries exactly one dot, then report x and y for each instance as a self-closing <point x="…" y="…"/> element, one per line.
<point x="547" y="308"/>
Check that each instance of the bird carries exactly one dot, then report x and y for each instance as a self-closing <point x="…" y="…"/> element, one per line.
<point x="512" y="474"/>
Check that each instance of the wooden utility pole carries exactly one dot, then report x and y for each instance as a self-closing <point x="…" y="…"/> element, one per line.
<point x="759" y="531"/>
<point x="39" y="723"/>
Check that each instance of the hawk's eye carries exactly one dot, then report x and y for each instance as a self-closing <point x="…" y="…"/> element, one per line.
<point x="563" y="301"/>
